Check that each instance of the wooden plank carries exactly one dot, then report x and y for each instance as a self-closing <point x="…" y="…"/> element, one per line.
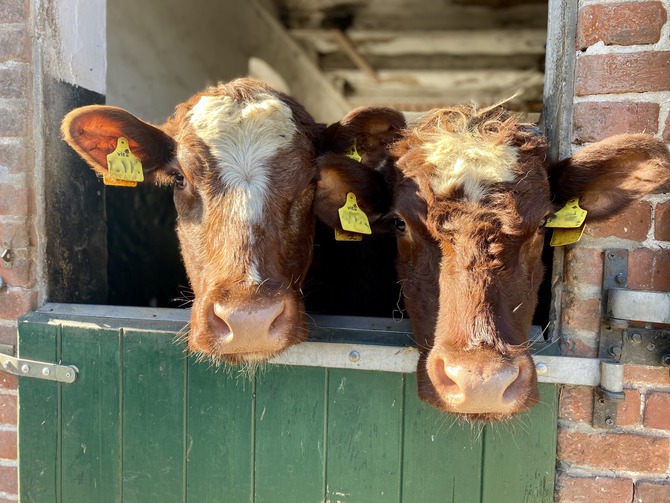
<point x="219" y="434"/>
<point x="91" y="422"/>
<point x="364" y="442"/>
<point x="426" y="42"/>
<point x="442" y="455"/>
<point x="39" y="418"/>
<point x="153" y="397"/>
<point x="289" y="429"/>
<point x="520" y="456"/>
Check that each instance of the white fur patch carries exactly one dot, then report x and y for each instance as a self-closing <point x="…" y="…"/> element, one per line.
<point x="468" y="162"/>
<point x="243" y="137"/>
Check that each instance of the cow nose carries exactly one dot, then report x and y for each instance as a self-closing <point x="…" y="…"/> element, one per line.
<point x="249" y="327"/>
<point x="470" y="386"/>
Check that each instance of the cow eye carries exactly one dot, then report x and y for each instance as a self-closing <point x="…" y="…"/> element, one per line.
<point x="399" y="224"/>
<point x="178" y="180"/>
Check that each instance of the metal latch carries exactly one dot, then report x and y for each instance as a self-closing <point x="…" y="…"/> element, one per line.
<point x="31" y="368"/>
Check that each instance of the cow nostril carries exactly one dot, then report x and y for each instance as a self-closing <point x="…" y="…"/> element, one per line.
<point x="447" y="378"/>
<point x="219" y="324"/>
<point x="515" y="391"/>
<point x="276" y="327"/>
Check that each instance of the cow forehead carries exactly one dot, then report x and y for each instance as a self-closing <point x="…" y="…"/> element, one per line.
<point x="244" y="137"/>
<point x="468" y="162"/>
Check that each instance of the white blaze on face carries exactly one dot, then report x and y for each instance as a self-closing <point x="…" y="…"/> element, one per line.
<point x="468" y="162"/>
<point x="243" y="137"/>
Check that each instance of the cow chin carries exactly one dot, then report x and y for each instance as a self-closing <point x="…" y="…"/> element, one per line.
<point x="478" y="386"/>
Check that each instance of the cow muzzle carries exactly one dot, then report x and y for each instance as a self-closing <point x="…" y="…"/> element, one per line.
<point x="482" y="382"/>
<point x="249" y="331"/>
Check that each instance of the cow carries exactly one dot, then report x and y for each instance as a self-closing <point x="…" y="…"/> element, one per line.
<point x="242" y="160"/>
<point x="472" y="193"/>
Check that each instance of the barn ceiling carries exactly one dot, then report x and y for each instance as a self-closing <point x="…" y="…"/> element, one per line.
<point x="418" y="54"/>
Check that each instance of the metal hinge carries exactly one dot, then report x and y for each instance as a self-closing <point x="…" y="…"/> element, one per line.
<point x="30" y="368"/>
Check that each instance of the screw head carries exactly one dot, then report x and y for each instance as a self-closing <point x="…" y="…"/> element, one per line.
<point x="541" y="368"/>
<point x="635" y="337"/>
<point x="665" y="360"/>
<point x="25" y="368"/>
<point x="611" y="256"/>
<point x="354" y="356"/>
<point x="609" y="421"/>
<point x="46" y="372"/>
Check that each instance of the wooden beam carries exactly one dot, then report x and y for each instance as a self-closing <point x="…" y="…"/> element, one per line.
<point x="392" y="43"/>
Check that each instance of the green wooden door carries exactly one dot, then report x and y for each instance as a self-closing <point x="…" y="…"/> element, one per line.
<point x="144" y="423"/>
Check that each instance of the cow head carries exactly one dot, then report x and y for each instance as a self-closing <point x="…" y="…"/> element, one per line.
<point x="473" y="192"/>
<point x="241" y="159"/>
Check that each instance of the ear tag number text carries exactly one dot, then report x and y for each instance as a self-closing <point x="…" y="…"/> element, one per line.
<point x="569" y="216"/>
<point x="352" y="153"/>
<point x="352" y="217"/>
<point x="123" y="164"/>
<point x="341" y="235"/>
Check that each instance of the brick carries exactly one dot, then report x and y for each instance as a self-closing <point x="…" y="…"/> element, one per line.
<point x="628" y="411"/>
<point x="576" y="404"/>
<point x="649" y="270"/>
<point x="593" y="490"/>
<point x="21" y="274"/>
<point x="572" y="345"/>
<point x="14" y="199"/>
<point x="662" y="221"/>
<point x="666" y="131"/>
<point x="18" y="234"/>
<point x="8" y="409"/>
<point x="9" y="479"/>
<point x="613" y="451"/>
<point x="13" y="11"/>
<point x="7" y="445"/>
<point x="8" y="334"/>
<point x="622" y="73"/>
<point x="581" y="314"/>
<point x="14" y="83"/>
<point x="597" y="121"/>
<point x="584" y="265"/>
<point x="630" y="23"/>
<point x="640" y="374"/>
<point x="651" y="492"/>
<point x="8" y="382"/>
<point x="14" y="158"/>
<point x="14" y="45"/>
<point x="657" y="411"/>
<point x="14" y="120"/>
<point x="633" y="223"/>
<point x="16" y="303"/>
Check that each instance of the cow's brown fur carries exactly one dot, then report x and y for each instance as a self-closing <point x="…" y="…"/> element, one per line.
<point x="470" y="258"/>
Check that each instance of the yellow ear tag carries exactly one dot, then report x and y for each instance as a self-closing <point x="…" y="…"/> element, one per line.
<point x="123" y="164"/>
<point x="352" y="217"/>
<point x="569" y="216"/>
<point x="341" y="235"/>
<point x="562" y="237"/>
<point x="108" y="180"/>
<point x="352" y="153"/>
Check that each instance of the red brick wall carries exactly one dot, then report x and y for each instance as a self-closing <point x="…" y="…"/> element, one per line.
<point x="622" y="84"/>
<point x="17" y="211"/>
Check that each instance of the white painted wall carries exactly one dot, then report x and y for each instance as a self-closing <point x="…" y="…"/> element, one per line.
<point x="74" y="47"/>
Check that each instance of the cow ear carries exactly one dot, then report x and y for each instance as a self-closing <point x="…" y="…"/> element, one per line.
<point x="367" y="133"/>
<point x="611" y="174"/>
<point x="93" y="131"/>
<point x="339" y="175"/>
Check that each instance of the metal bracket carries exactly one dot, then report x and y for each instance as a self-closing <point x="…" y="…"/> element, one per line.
<point x="608" y="395"/>
<point x="6" y="254"/>
<point x="30" y="368"/>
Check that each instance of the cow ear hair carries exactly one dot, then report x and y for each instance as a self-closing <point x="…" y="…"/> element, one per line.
<point x="93" y="132"/>
<point x="611" y="174"/>
<point x="339" y="175"/>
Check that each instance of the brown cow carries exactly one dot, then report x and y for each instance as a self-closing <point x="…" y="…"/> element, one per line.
<point x="474" y="190"/>
<point x="241" y="159"/>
